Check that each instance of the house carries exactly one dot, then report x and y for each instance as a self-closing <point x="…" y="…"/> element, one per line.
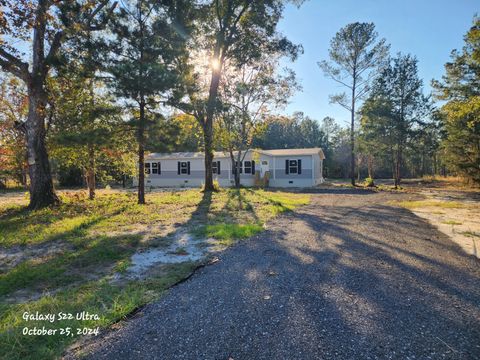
<point x="282" y="168"/>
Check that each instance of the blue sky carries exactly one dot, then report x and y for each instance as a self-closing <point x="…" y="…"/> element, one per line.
<point x="425" y="28"/>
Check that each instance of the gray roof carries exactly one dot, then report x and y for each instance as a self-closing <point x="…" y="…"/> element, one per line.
<point x="222" y="154"/>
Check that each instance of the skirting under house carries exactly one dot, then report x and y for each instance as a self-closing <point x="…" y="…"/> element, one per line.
<point x="273" y="168"/>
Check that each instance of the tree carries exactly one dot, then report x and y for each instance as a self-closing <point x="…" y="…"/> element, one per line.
<point x="13" y="112"/>
<point x="329" y="129"/>
<point x="248" y="95"/>
<point x="376" y="132"/>
<point x="399" y="107"/>
<point x="149" y="39"/>
<point x="460" y="88"/>
<point x="86" y="126"/>
<point x="354" y="52"/>
<point x="240" y="32"/>
<point x="290" y="132"/>
<point x="47" y="24"/>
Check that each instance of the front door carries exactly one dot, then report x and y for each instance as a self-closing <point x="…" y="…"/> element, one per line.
<point x="264" y="167"/>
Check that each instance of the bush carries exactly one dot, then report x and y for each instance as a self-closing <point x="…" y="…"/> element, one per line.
<point x="369" y="182"/>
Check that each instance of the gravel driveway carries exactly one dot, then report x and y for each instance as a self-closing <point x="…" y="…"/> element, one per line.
<point x="347" y="277"/>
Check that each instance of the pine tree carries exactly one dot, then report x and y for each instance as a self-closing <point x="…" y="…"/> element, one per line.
<point x="149" y="43"/>
<point x="460" y="87"/>
<point x="354" y="53"/>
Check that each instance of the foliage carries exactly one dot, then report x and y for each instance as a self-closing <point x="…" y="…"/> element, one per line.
<point x="355" y="52"/>
<point x="148" y="45"/>
<point x="460" y="88"/>
<point x="395" y="112"/>
<point x="13" y="112"/>
<point x="248" y="95"/>
<point x="369" y="182"/>
<point x="288" y="132"/>
<point x="38" y="26"/>
<point x="233" y="32"/>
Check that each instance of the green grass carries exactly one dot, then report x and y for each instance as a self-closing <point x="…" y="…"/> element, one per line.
<point x="470" y="234"/>
<point x="96" y="239"/>
<point x="112" y="303"/>
<point x="228" y="233"/>
<point x="430" y="203"/>
<point x="452" y="222"/>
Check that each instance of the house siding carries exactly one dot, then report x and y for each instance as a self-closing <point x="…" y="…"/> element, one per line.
<point x="311" y="171"/>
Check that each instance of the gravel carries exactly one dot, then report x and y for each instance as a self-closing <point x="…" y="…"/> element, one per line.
<point x="347" y="277"/>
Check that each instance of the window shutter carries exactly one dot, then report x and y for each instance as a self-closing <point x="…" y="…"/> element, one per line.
<point x="240" y="166"/>
<point x="178" y="169"/>
<point x="218" y="167"/>
<point x="299" y="166"/>
<point x="159" y="168"/>
<point x="188" y="168"/>
<point x="253" y="167"/>
<point x="286" y="166"/>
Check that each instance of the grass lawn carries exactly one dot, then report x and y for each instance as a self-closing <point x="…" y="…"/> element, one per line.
<point x="67" y="255"/>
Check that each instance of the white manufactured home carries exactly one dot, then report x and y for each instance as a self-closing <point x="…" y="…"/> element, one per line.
<point x="282" y="168"/>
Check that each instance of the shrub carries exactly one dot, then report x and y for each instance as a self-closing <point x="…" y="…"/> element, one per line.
<point x="369" y="182"/>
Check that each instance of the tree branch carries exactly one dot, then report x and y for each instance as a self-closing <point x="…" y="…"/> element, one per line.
<point x="14" y="65"/>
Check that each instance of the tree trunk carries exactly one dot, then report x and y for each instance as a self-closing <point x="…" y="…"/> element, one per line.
<point x="208" y="124"/>
<point x="370" y="166"/>
<point x="352" y="133"/>
<point x="236" y="172"/>
<point x="141" y="154"/>
<point x="208" y="140"/>
<point x="91" y="172"/>
<point x="399" y="166"/>
<point x="42" y="193"/>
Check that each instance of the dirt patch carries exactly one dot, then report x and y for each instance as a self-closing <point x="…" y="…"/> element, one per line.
<point x="460" y="222"/>
<point x="12" y="256"/>
<point x="184" y="247"/>
<point x="461" y="225"/>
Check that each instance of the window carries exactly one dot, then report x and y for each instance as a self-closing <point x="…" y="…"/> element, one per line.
<point x="293" y="166"/>
<point x="147" y="168"/>
<point x="154" y="168"/>
<point x="183" y="168"/>
<point x="216" y="167"/>
<point x="249" y="167"/>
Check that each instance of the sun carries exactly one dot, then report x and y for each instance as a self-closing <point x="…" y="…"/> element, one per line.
<point x="215" y="64"/>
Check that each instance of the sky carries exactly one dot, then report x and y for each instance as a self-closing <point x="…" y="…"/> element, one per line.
<point x="428" y="29"/>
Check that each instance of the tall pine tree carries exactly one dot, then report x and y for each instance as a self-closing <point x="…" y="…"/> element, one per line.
<point x="149" y="43"/>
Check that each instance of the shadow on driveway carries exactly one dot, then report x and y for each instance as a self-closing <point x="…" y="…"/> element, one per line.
<point x="347" y="277"/>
